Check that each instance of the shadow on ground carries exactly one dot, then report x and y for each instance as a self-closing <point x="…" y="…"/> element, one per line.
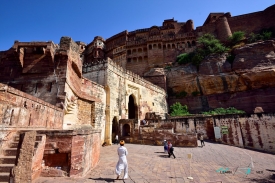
<point x="164" y="156"/>
<point x="105" y="179"/>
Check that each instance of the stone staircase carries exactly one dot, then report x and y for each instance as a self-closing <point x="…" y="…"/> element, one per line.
<point x="8" y="159"/>
<point x="9" y="156"/>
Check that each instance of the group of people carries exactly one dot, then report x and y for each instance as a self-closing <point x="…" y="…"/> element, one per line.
<point x="168" y="148"/>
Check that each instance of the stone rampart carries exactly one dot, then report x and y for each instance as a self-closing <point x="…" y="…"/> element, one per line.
<point x="21" y="110"/>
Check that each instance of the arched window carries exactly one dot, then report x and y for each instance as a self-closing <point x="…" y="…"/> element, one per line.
<point x="173" y="46"/>
<point x="145" y="58"/>
<point x="150" y="47"/>
<point x="164" y="47"/>
<point x="189" y="44"/>
<point x="145" y="49"/>
<point x="193" y="43"/>
<point x="139" y="59"/>
<point x="183" y="44"/>
<point x="129" y="52"/>
<point x="139" y="50"/>
<point x="154" y="46"/>
<point x="169" y="46"/>
<point x="159" y="46"/>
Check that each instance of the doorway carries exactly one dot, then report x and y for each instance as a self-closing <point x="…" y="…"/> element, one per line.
<point x="126" y="130"/>
<point x="132" y="108"/>
<point x="115" y="129"/>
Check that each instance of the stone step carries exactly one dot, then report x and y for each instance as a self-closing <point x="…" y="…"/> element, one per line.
<point x="38" y="138"/>
<point x="7" y="159"/>
<point x="5" y="168"/>
<point x="13" y="145"/>
<point x="10" y="152"/>
<point x="49" y="151"/>
<point x="16" y="138"/>
<point x="4" y="177"/>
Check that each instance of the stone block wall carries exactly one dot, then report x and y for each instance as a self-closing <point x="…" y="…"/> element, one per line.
<point x="258" y="132"/>
<point x="82" y="97"/>
<point x="249" y="131"/>
<point x="119" y="85"/>
<point x="21" y="69"/>
<point x="37" y="157"/>
<point x="234" y="136"/>
<point x="19" y="109"/>
<point x="75" y="152"/>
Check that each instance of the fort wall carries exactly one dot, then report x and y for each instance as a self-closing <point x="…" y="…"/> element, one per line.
<point x="120" y="84"/>
<point x="21" y="110"/>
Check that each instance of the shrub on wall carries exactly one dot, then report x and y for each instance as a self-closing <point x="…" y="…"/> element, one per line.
<point x="236" y="37"/>
<point x="208" y="45"/>
<point x="181" y="94"/>
<point x="264" y="35"/>
<point x="178" y="110"/>
<point x="230" y="110"/>
<point x="195" y="93"/>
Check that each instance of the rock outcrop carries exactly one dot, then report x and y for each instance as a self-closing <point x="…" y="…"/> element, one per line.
<point x="246" y="84"/>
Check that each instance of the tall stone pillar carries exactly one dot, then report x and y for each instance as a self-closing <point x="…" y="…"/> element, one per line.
<point x="223" y="29"/>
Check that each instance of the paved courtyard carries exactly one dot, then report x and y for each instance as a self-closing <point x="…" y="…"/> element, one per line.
<point x="213" y="163"/>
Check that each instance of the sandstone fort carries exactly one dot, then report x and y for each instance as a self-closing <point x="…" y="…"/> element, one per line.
<point x="59" y="102"/>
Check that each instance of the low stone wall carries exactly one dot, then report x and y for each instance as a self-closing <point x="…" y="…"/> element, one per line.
<point x="71" y="152"/>
<point x="155" y="133"/>
<point x="249" y="131"/>
<point x="21" y="110"/>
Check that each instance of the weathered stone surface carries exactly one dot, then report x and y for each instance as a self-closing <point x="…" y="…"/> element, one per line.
<point x="23" y="169"/>
<point x="251" y="77"/>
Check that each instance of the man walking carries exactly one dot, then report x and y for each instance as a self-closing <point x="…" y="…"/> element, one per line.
<point x="202" y="141"/>
<point x="122" y="160"/>
<point x="116" y="139"/>
<point x="171" y="151"/>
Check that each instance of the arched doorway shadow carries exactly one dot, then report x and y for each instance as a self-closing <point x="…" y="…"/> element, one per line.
<point x="132" y="108"/>
<point x="126" y="130"/>
<point x="115" y="128"/>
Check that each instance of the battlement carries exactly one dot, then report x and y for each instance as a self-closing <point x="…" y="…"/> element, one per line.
<point x="133" y="77"/>
<point x="245" y="16"/>
<point x="117" y="35"/>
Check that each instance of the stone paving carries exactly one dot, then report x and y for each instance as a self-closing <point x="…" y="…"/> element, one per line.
<point x="213" y="163"/>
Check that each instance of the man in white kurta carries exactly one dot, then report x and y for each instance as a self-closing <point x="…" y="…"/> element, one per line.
<point x="122" y="161"/>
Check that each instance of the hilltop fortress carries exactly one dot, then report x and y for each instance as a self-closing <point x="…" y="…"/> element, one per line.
<point x="60" y="102"/>
<point x="147" y="48"/>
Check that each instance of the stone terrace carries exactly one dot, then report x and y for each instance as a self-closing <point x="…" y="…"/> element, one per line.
<point x="150" y="164"/>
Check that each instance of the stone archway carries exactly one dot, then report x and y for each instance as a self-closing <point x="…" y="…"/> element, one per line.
<point x="115" y="128"/>
<point x="126" y="130"/>
<point x="132" y="108"/>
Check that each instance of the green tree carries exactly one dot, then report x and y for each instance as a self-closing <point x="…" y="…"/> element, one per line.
<point x="178" y="110"/>
<point x="210" y="45"/>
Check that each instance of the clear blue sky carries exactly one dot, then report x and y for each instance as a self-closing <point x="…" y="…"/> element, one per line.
<point x="36" y="20"/>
